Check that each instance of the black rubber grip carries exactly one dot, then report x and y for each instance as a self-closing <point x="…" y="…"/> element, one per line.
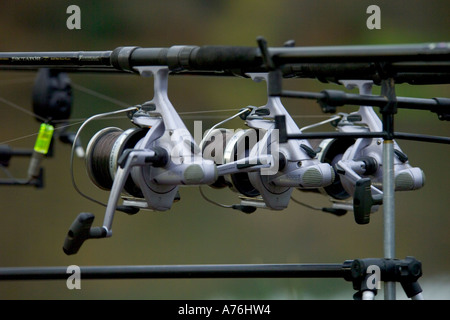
<point x="80" y="231"/>
<point x="178" y="58"/>
<point x="120" y="58"/>
<point x="363" y="201"/>
<point x="125" y="58"/>
<point x="224" y="57"/>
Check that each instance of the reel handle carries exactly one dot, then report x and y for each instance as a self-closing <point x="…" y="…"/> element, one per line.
<point x="80" y="231"/>
<point x="363" y="201"/>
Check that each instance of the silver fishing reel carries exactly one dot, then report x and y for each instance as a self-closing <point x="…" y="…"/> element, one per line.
<point x="277" y="168"/>
<point x="358" y="162"/>
<point x="143" y="166"/>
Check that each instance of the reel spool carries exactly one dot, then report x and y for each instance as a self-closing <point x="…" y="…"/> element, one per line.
<point x="239" y="147"/>
<point x="224" y="146"/>
<point x="103" y="153"/>
<point x="212" y="147"/>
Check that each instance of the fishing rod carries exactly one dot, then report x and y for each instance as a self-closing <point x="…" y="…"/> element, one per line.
<point x="418" y="63"/>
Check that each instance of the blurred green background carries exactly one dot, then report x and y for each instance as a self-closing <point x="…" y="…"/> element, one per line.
<point x="33" y="222"/>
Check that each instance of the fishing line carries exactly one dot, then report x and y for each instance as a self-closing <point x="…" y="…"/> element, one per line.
<point x="227" y="119"/>
<point x="11" y="104"/>
<point x="99" y="95"/>
<point x="35" y="134"/>
<point x="321" y="123"/>
<point x="8" y="173"/>
<point x="207" y="111"/>
<point x="186" y="114"/>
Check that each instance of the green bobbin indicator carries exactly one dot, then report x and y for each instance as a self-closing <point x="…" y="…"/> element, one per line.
<point x="44" y="138"/>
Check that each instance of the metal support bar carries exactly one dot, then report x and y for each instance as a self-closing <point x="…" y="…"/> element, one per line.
<point x="389" y="211"/>
<point x="359" y="271"/>
<point x="328" y="135"/>
<point x="183" y="271"/>
<point x="330" y="99"/>
<point x="388" y="111"/>
<point x="283" y="136"/>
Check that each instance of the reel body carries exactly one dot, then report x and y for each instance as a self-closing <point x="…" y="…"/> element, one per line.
<point x="153" y="186"/>
<point x="144" y="165"/>
<point x="292" y="164"/>
<point x="358" y="160"/>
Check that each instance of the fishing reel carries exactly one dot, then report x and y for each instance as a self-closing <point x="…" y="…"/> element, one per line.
<point x="269" y="170"/>
<point x="358" y="162"/>
<point x="144" y="166"/>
